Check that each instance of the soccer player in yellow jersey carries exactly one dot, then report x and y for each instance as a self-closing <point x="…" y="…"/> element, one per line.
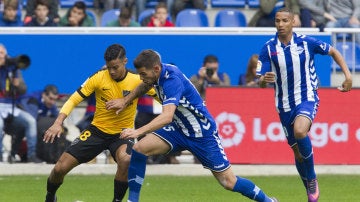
<point x="103" y="133"/>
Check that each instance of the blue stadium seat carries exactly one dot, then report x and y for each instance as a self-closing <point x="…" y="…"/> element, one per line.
<point x="146" y="13"/>
<point x="192" y="18"/>
<point x="253" y="3"/>
<point x="230" y="18"/>
<point x="228" y="3"/>
<point x="151" y="3"/>
<point x="70" y="3"/>
<point x="92" y="16"/>
<point x="346" y="50"/>
<point x="109" y="16"/>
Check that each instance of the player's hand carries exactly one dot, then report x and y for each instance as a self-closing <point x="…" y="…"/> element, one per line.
<point x="269" y="77"/>
<point x="54" y="131"/>
<point x="346" y="85"/>
<point x="129" y="133"/>
<point x="118" y="104"/>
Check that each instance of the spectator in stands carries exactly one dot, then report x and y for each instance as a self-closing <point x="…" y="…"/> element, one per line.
<point x="53" y="10"/>
<point x="265" y="16"/>
<point x="124" y="19"/>
<point x="209" y="75"/>
<point x="346" y="13"/>
<point x="42" y="106"/>
<point x="11" y="87"/>
<point x="314" y="13"/>
<point x="250" y="78"/>
<point x="76" y="16"/>
<point x="140" y="6"/>
<point x="41" y="17"/>
<point x="10" y="17"/>
<point x="160" y="17"/>
<point x="180" y="5"/>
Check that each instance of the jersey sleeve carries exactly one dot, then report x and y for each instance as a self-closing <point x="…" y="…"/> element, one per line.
<point x="318" y="46"/>
<point x="264" y="62"/>
<point x="173" y="89"/>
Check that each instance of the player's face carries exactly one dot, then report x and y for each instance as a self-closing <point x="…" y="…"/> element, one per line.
<point x="284" y="22"/>
<point x="149" y="76"/>
<point x="117" y="68"/>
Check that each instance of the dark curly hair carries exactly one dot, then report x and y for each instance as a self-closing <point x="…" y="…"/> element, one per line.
<point x="114" y="51"/>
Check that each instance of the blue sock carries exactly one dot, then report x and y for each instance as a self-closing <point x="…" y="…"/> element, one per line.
<point x="136" y="175"/>
<point x="250" y="190"/>
<point x="305" y="148"/>
<point x="301" y="168"/>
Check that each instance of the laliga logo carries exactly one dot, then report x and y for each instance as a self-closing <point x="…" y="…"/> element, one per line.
<point x="231" y="129"/>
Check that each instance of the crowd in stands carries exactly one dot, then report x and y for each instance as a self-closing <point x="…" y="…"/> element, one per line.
<point x="309" y="13"/>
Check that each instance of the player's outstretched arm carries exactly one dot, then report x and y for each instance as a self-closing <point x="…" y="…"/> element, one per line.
<point x="338" y="58"/>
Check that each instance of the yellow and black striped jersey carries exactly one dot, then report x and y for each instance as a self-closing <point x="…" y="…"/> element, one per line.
<point x="106" y="89"/>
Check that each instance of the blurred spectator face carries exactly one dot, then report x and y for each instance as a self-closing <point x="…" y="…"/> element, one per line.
<point x="10" y="13"/>
<point x="124" y="22"/>
<point x="3" y="54"/>
<point x="161" y="15"/>
<point x="76" y="15"/>
<point x="41" y="12"/>
<point x="49" y="99"/>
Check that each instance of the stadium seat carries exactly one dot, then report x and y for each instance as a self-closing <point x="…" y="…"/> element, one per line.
<point x="192" y="18"/>
<point x="146" y="13"/>
<point x="346" y="50"/>
<point x="151" y="3"/>
<point x="109" y="16"/>
<point x="92" y="16"/>
<point x="253" y="3"/>
<point x="228" y="3"/>
<point x="70" y="3"/>
<point x="230" y="18"/>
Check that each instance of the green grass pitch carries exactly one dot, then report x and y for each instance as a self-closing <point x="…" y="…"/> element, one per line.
<point x="99" y="188"/>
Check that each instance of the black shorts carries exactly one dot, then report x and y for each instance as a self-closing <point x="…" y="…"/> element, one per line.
<point x="93" y="141"/>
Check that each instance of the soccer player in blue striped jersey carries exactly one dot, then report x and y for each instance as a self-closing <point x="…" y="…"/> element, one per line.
<point x="287" y="61"/>
<point x="184" y="124"/>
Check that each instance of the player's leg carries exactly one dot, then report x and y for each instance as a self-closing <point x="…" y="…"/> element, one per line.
<point x="65" y="163"/>
<point x="300" y="164"/>
<point x="301" y="127"/>
<point x="229" y="181"/>
<point x="147" y="146"/>
<point x="121" y="150"/>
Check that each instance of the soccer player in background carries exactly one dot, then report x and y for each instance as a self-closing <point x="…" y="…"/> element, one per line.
<point x="104" y="131"/>
<point x="184" y="124"/>
<point x="287" y="60"/>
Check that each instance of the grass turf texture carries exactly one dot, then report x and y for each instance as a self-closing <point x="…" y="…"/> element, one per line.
<point x="99" y="188"/>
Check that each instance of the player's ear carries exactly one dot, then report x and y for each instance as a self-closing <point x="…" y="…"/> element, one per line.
<point x="125" y="60"/>
<point x="157" y="68"/>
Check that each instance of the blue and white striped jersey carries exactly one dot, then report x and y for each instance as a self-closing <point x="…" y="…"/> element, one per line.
<point x="191" y="114"/>
<point x="296" y="79"/>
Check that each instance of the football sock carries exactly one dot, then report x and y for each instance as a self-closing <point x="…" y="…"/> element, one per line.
<point x="250" y="190"/>
<point x="119" y="190"/>
<point x="136" y="175"/>
<point x="301" y="168"/>
<point x="51" y="190"/>
<point x="305" y="148"/>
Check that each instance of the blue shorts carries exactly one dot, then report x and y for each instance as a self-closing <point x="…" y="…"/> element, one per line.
<point x="207" y="149"/>
<point x="307" y="109"/>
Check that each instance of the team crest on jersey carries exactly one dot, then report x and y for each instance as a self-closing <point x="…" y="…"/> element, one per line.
<point x="125" y="93"/>
<point x="299" y="50"/>
<point x="258" y="66"/>
<point x="323" y="46"/>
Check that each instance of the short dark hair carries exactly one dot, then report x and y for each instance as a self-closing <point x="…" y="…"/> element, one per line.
<point x="210" y="59"/>
<point x="14" y="4"/>
<point x="43" y="3"/>
<point x="50" y="88"/>
<point x="125" y="12"/>
<point x="147" y="58"/>
<point x="286" y="10"/>
<point x="114" y="51"/>
<point x="80" y="5"/>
